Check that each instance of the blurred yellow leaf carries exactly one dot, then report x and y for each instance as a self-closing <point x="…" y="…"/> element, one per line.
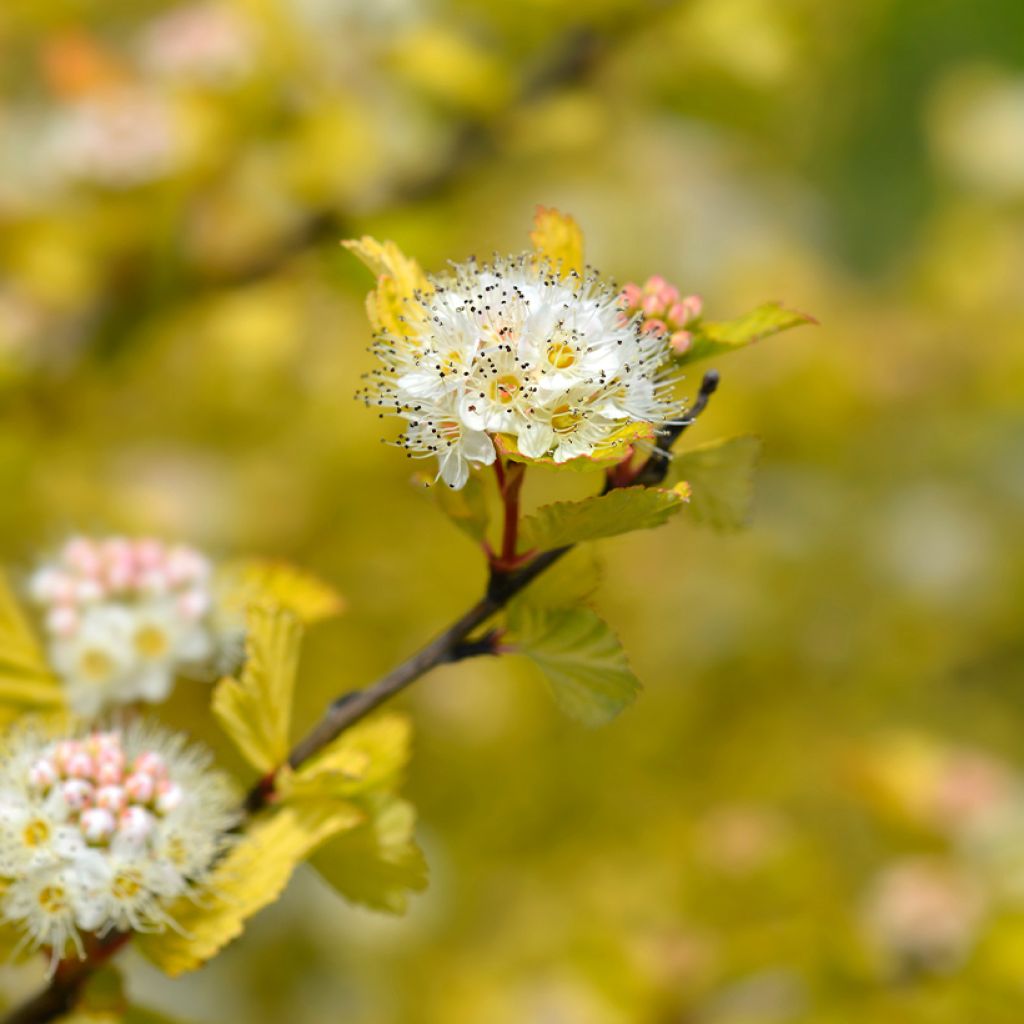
<point x="558" y="239"/>
<point x="251" y="876"/>
<point x="398" y="279"/>
<point x="255" y="711"/>
<point x="721" y="475"/>
<point x="370" y="755"/>
<point x="265" y="581"/>
<point x="25" y="677"/>
<point x="466" y="508"/>
<point x="378" y="863"/>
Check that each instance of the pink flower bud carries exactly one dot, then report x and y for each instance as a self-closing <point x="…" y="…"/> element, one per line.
<point x="631" y="296"/>
<point x="169" y="796"/>
<point x="149" y="553"/>
<point x="109" y="773"/>
<point x="668" y="294"/>
<point x="135" y="823"/>
<point x="82" y="555"/>
<point x="42" y="775"/>
<point x="651" y="305"/>
<point x="140" y="787"/>
<point x="120" y="575"/>
<point x="656" y="327"/>
<point x="79" y="765"/>
<point x="64" y="750"/>
<point x="153" y="581"/>
<point x="97" y="824"/>
<point x="113" y="798"/>
<point x="77" y="794"/>
<point x="680" y="341"/>
<point x="151" y="763"/>
<point x="62" y="621"/>
<point x="654" y="284"/>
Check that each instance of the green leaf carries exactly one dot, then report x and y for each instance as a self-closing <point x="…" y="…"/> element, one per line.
<point x="620" y="511"/>
<point x="255" y="711"/>
<point x="25" y="676"/>
<point x="377" y="864"/>
<point x="711" y="337"/>
<point x="721" y="479"/>
<point x="580" y="656"/>
<point x="466" y="508"/>
<point x="572" y="580"/>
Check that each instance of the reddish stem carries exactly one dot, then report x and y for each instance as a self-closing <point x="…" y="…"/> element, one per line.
<point x="510" y="485"/>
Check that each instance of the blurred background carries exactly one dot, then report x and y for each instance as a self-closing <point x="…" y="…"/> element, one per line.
<point x="814" y="812"/>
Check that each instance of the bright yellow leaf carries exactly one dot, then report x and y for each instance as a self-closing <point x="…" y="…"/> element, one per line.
<point x="370" y="755"/>
<point x="255" y="710"/>
<point x="250" y="877"/>
<point x="265" y="581"/>
<point x="558" y="239"/>
<point x="398" y="279"/>
<point x="25" y="677"/>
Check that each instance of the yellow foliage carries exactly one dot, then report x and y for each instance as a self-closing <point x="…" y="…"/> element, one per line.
<point x="25" y="677"/>
<point x="398" y="278"/>
<point x="255" y="711"/>
<point x="265" y="581"/>
<point x="557" y="238"/>
<point x="370" y="755"/>
<point x="251" y="876"/>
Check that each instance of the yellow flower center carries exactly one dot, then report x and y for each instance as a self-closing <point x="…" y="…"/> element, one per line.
<point x="560" y="355"/>
<point x="152" y="642"/>
<point x="52" y="899"/>
<point x="36" y="833"/>
<point x="505" y="388"/>
<point x="95" y="664"/>
<point x="126" y="886"/>
<point x="565" y="419"/>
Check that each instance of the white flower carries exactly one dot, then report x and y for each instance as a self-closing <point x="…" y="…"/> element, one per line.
<point x="145" y="822"/>
<point x="202" y="42"/>
<point x="514" y="349"/>
<point x="124" y="618"/>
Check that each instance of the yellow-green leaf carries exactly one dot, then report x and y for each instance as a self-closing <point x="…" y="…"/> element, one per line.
<point x="252" y="875"/>
<point x="377" y="864"/>
<point x="620" y="511"/>
<point x="711" y="338"/>
<point x="371" y="755"/>
<point x="266" y="581"/>
<point x="721" y="478"/>
<point x="398" y="279"/>
<point x="25" y="677"/>
<point x="255" y="710"/>
<point x="466" y="508"/>
<point x="557" y="238"/>
<point x="581" y="657"/>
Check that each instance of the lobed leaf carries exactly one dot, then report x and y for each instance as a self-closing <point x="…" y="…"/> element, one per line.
<point x="378" y="863"/>
<point x="619" y="511"/>
<point x="371" y="755"/>
<point x="721" y="478"/>
<point x="398" y="279"/>
<point x="252" y="875"/>
<point x="711" y="338"/>
<point x="255" y="710"/>
<point x="557" y="238"/>
<point x="267" y="581"/>
<point x="581" y="657"/>
<point x="25" y="676"/>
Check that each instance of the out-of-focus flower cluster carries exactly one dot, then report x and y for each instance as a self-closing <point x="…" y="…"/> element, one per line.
<point x="663" y="311"/>
<point x="124" y="617"/>
<point x="99" y="831"/>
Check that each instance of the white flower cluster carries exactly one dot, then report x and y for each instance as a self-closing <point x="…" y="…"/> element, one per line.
<point x="513" y="348"/>
<point x="123" y="617"/>
<point x="101" y="831"/>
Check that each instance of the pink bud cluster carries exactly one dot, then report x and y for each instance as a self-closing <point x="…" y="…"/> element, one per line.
<point x="89" y="572"/>
<point x="665" y="312"/>
<point x="105" y="796"/>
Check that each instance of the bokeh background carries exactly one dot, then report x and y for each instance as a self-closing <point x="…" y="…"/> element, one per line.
<point x="813" y="814"/>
